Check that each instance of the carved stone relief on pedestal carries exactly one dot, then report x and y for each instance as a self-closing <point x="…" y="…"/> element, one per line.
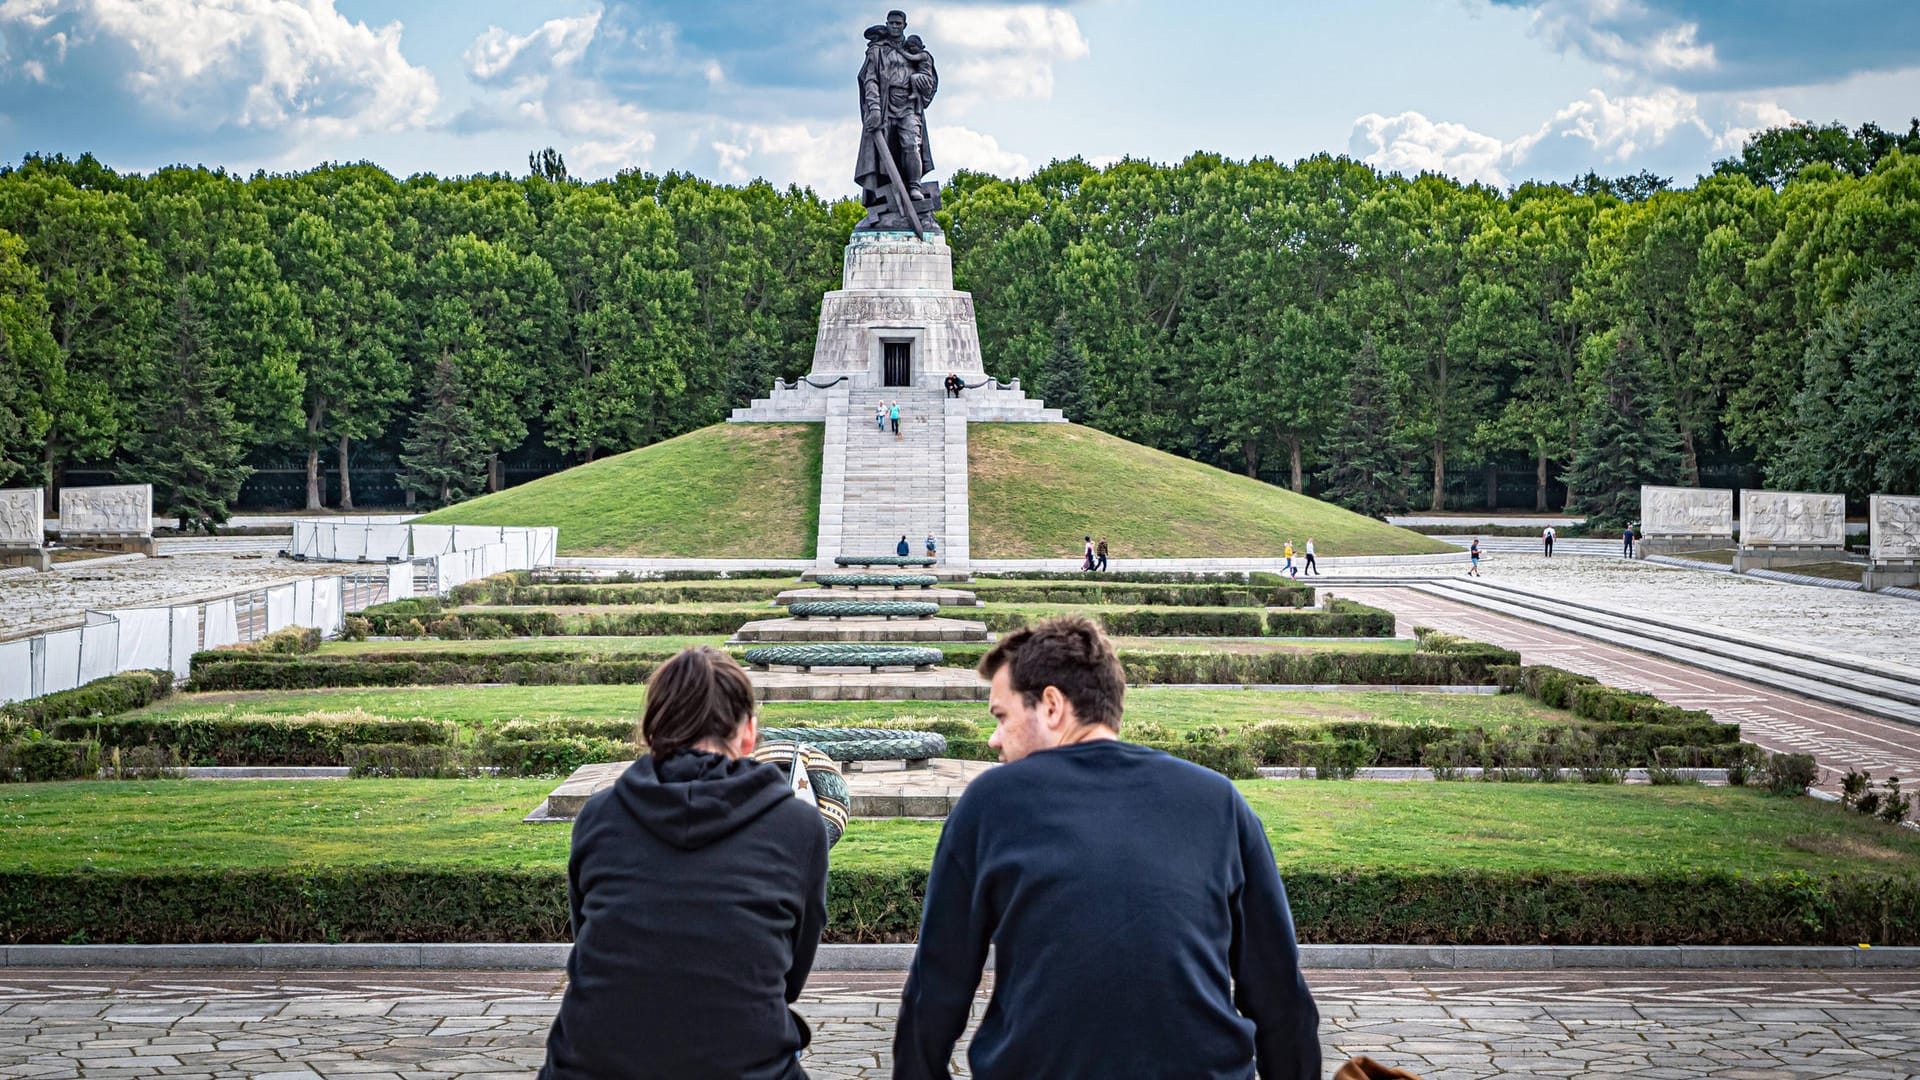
<point x="1679" y="511"/>
<point x="20" y="524"/>
<point x="1793" y="519"/>
<point x="1896" y="528"/>
<point x="126" y="510"/>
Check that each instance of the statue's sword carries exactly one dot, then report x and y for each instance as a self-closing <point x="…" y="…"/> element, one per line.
<point x="902" y="202"/>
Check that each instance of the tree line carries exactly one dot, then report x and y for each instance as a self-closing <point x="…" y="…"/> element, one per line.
<point x="1318" y="324"/>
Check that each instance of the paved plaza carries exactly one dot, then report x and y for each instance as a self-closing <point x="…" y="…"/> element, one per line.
<point x="1443" y="1025"/>
<point x="1838" y="738"/>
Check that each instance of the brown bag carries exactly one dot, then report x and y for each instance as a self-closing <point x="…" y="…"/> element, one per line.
<point x="1365" y="1068"/>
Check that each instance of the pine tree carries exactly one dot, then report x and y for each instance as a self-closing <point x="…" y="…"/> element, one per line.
<point x="189" y="445"/>
<point x="1626" y="440"/>
<point x="445" y="457"/>
<point x="1062" y="382"/>
<point x="1367" y="463"/>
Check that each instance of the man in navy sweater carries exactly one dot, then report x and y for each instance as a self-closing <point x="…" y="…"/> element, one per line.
<point x="1139" y="924"/>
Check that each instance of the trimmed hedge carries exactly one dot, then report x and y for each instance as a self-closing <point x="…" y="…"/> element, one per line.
<point x="1152" y="622"/>
<point x="1150" y="577"/>
<point x="1460" y="907"/>
<point x="1341" y="618"/>
<point x="495" y="625"/>
<point x="356" y="671"/>
<point x="1591" y="699"/>
<point x="120" y="693"/>
<point x="222" y="739"/>
<point x="1357" y="668"/>
<point x="40" y="760"/>
<point x="1221" y="594"/>
<point x="487" y="592"/>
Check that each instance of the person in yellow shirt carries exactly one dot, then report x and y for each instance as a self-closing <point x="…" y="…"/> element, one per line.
<point x="1289" y="568"/>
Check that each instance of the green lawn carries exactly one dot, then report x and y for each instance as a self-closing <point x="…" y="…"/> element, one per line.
<point x="1037" y="489"/>
<point x="615" y="646"/>
<point x="1176" y="708"/>
<point x="726" y="491"/>
<point x="1354" y="825"/>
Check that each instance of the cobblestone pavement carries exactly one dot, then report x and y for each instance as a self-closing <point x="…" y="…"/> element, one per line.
<point x="36" y="602"/>
<point x="1443" y="1025"/>
<point x="1839" y="738"/>
<point x="1873" y="625"/>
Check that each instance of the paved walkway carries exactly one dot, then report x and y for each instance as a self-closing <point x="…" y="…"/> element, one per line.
<point x="64" y="1025"/>
<point x="1839" y="738"/>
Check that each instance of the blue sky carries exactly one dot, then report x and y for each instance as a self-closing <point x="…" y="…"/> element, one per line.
<point x="1492" y="90"/>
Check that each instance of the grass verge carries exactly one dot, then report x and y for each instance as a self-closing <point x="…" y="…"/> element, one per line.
<point x="726" y="491"/>
<point x="1031" y="498"/>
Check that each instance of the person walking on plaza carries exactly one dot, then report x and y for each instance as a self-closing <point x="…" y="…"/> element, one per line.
<point x="1312" y="567"/>
<point x="1547" y="539"/>
<point x="697" y="860"/>
<point x="932" y="548"/>
<point x="903" y="549"/>
<point x="1626" y="540"/>
<point x="1288" y="569"/>
<point x="893" y="414"/>
<point x="1100" y="552"/>
<point x="1076" y="838"/>
<point x="1473" y="558"/>
<point x="880" y="416"/>
<point x="1087" y="561"/>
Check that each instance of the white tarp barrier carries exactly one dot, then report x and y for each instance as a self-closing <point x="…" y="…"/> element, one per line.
<point x="516" y="541"/>
<point x="493" y="559"/>
<point x="146" y="638"/>
<point x="186" y="637"/>
<point x="389" y="541"/>
<point x="60" y="668"/>
<point x="326" y="605"/>
<point x="400" y="581"/>
<point x="432" y="539"/>
<point x="99" y="648"/>
<point x="303" y="603"/>
<point x="279" y="608"/>
<point x="223" y="625"/>
<point x="546" y="546"/>
<point x="16" y="670"/>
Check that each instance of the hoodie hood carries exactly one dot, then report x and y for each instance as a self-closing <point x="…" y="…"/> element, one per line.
<point x="696" y="798"/>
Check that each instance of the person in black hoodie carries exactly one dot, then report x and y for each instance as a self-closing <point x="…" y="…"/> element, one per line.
<point x="698" y="885"/>
<point x="1139" y="924"/>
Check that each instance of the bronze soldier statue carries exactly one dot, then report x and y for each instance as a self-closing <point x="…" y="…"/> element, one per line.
<point x="896" y="83"/>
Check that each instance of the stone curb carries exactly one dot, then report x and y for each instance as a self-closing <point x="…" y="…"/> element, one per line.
<point x="542" y="957"/>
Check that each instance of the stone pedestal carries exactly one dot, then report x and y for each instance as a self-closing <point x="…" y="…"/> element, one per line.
<point x="35" y="557"/>
<point x="1679" y="545"/>
<point x="1767" y="557"/>
<point x="1905" y="575"/>
<point x="108" y="518"/>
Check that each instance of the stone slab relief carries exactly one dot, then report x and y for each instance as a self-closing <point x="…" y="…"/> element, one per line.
<point x="1896" y="528"/>
<point x="20" y="524"/>
<point x="1679" y="511"/>
<point x="1792" y="518"/>
<point x="125" y="510"/>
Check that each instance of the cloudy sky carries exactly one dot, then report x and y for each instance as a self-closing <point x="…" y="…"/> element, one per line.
<point x="1493" y="90"/>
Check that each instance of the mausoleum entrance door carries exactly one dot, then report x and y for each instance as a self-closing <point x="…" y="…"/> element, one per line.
<point x="897" y="361"/>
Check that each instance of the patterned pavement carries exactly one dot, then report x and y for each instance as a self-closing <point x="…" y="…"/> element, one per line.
<point x="1443" y="1025"/>
<point x="1837" y="737"/>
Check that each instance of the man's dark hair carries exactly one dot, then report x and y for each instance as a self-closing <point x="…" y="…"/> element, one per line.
<point x="698" y="695"/>
<point x="897" y="11"/>
<point x="1071" y="653"/>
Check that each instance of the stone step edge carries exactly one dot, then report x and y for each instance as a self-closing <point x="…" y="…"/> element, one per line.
<point x="553" y="956"/>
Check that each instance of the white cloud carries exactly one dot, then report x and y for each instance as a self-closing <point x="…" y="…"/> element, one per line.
<point x="1004" y="52"/>
<point x="1751" y="118"/>
<point x="534" y="81"/>
<point x="1618" y="128"/>
<point x="293" y="67"/>
<point x="1597" y="131"/>
<point x="1625" y="34"/>
<point x="815" y="156"/>
<point x="964" y="148"/>
<point x="1412" y="143"/>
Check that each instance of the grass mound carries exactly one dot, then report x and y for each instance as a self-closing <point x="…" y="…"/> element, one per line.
<point x="1036" y="489"/>
<point x="726" y="491"/>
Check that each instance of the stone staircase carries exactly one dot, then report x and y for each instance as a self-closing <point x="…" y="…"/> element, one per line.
<point x="882" y="486"/>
